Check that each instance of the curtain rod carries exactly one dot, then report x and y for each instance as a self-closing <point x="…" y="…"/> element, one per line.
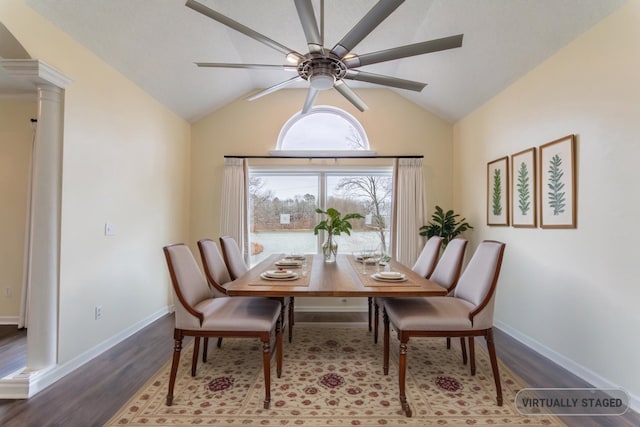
<point x="324" y="157"/>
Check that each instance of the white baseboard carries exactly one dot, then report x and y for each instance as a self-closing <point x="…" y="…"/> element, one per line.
<point x="9" y="320"/>
<point x="570" y="365"/>
<point x="24" y="384"/>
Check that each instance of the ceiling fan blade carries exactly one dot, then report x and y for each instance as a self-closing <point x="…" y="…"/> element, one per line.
<point x="309" y="25"/>
<point x="405" y="51"/>
<point x="368" y="23"/>
<point x="311" y="97"/>
<point x="348" y="93"/>
<point x="246" y="66"/>
<point x="274" y="88"/>
<point x="379" y="79"/>
<point x="225" y="20"/>
<point x="322" y="22"/>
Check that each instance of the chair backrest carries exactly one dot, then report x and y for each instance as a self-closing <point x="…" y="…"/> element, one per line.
<point x="189" y="285"/>
<point x="426" y="262"/>
<point x="233" y="257"/>
<point x="478" y="282"/>
<point x="449" y="266"/>
<point x="214" y="267"/>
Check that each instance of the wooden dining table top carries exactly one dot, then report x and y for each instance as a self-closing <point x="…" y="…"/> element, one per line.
<point x="344" y="278"/>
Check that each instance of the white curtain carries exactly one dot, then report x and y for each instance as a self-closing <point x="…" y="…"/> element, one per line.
<point x="409" y="209"/>
<point x="233" y="215"/>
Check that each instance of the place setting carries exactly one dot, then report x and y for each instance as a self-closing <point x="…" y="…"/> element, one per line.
<point x="279" y="274"/>
<point x="291" y="261"/>
<point x="366" y="257"/>
<point x="389" y="276"/>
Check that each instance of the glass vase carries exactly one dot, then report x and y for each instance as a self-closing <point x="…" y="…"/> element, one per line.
<point x="330" y="249"/>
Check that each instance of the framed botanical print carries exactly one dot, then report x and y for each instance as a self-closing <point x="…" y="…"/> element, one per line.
<point x="523" y="188"/>
<point x="558" y="183"/>
<point x="498" y="192"/>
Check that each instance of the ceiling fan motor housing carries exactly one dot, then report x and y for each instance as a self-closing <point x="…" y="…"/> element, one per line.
<point x="322" y="71"/>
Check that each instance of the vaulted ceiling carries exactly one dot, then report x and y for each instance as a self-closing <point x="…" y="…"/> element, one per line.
<point x="156" y="42"/>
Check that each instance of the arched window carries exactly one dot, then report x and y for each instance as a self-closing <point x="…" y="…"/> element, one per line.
<point x="324" y="130"/>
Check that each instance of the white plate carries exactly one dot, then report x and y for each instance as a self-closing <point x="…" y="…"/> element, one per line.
<point x="287" y="262"/>
<point x="376" y="276"/>
<point x="391" y="275"/>
<point x="267" y="277"/>
<point x="279" y="274"/>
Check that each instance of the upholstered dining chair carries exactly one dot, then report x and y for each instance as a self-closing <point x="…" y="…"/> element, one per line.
<point x="447" y="273"/>
<point x="428" y="258"/>
<point x="215" y="269"/>
<point x="467" y="313"/>
<point x="217" y="275"/>
<point x="449" y="266"/>
<point x="237" y="267"/>
<point x="199" y="314"/>
<point x="424" y="266"/>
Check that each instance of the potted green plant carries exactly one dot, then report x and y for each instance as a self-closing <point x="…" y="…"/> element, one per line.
<point x="445" y="225"/>
<point x="334" y="225"/>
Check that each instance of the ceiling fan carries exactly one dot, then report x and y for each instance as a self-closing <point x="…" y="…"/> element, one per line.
<point x="323" y="68"/>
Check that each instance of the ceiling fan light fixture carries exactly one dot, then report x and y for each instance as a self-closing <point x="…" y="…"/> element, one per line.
<point x="321" y="81"/>
<point x="294" y="58"/>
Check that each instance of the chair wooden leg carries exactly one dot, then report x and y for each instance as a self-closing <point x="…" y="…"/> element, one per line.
<point x="494" y="365"/>
<point x="196" y="352"/>
<point x="385" y="361"/>
<point x="376" y="316"/>
<point x="448" y="342"/>
<point x="219" y="342"/>
<point x="205" y="349"/>
<point x="279" y="350"/>
<point x="266" y="364"/>
<point x="402" y="375"/>
<point x="177" y="348"/>
<point x="291" y="313"/>
<point x="472" y="354"/>
<point x="370" y="300"/>
<point x="463" y="346"/>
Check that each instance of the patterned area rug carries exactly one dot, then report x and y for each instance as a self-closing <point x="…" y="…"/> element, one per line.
<point x="332" y="376"/>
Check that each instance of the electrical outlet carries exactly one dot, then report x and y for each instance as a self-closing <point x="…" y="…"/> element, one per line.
<point x="109" y="229"/>
<point x="98" y="312"/>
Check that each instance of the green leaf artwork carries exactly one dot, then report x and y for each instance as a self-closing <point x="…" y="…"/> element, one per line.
<point x="524" y="196"/>
<point x="557" y="201"/>
<point x="497" y="193"/>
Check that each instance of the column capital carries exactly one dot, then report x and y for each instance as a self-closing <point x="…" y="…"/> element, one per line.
<point x="35" y="72"/>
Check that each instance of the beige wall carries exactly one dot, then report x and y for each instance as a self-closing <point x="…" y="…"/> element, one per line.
<point x="572" y="293"/>
<point x="126" y="161"/>
<point x="16" y="136"/>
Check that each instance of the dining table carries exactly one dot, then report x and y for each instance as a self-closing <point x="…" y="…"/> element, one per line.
<point x="346" y="277"/>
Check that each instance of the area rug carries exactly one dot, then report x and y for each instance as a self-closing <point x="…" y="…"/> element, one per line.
<point x="332" y="376"/>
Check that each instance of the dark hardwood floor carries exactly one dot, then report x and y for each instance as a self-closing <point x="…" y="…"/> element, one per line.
<point x="93" y="393"/>
<point x="13" y="349"/>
